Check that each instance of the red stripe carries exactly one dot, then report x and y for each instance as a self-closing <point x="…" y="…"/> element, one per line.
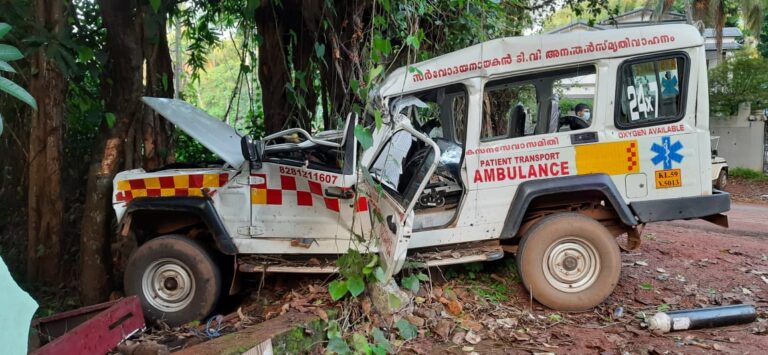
<point x="332" y="204"/>
<point x="196" y="180"/>
<point x="287" y="182"/>
<point x="153" y="192"/>
<point x="223" y="178"/>
<point x="362" y="204"/>
<point x="315" y="188"/>
<point x="137" y="184"/>
<point x="303" y="198"/>
<point x="166" y="182"/>
<point x="274" y="197"/>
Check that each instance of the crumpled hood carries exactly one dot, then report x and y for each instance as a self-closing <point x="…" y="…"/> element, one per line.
<point x="211" y="132"/>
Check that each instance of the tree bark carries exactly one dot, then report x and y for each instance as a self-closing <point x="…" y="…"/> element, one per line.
<point x="156" y="132"/>
<point x="122" y="88"/>
<point x="273" y="67"/>
<point x="45" y="207"/>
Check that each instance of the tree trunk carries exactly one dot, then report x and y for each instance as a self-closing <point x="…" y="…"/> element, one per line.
<point x="156" y="132"/>
<point x="45" y="207"/>
<point x="273" y="68"/>
<point x="122" y="90"/>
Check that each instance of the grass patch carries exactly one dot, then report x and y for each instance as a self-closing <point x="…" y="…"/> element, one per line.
<point x="747" y="174"/>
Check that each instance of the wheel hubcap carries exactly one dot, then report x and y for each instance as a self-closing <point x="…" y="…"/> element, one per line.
<point x="571" y="265"/>
<point x="168" y="285"/>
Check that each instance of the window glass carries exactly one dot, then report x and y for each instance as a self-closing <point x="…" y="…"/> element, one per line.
<point x="509" y="110"/>
<point x="651" y="92"/>
<point x="402" y="165"/>
<point x="549" y="102"/>
<point x="439" y="113"/>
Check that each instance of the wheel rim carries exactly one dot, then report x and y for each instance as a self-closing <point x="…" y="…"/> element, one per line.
<point x="571" y="264"/>
<point x="168" y="285"/>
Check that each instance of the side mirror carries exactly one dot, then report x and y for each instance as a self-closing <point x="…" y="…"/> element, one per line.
<point x="251" y="151"/>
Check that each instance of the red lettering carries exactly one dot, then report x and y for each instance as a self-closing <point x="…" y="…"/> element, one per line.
<point x="478" y="176"/>
<point x="564" y="168"/>
<point x="489" y="176"/>
<point x="500" y="174"/>
<point x="553" y="170"/>
<point x="532" y="171"/>
<point x="543" y="170"/>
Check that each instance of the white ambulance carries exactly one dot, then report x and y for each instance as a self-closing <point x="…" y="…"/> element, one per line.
<point x="551" y="147"/>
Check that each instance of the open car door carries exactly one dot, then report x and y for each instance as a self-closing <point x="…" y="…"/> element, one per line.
<point x="394" y="181"/>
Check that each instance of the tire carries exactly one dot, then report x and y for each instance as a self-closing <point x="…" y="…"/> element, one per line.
<point x="722" y="180"/>
<point x="158" y="271"/>
<point x="576" y="240"/>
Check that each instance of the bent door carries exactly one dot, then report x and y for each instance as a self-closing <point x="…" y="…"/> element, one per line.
<point x="393" y="183"/>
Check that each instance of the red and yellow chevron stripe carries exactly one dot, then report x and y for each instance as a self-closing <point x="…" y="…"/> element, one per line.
<point x="262" y="195"/>
<point x="163" y="186"/>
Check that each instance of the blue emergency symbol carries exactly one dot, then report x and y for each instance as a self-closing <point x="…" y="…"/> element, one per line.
<point x="667" y="152"/>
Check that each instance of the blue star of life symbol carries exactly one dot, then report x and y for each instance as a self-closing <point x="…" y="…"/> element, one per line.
<point x="667" y="152"/>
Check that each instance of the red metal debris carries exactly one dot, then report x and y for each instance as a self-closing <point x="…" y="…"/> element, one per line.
<point x="91" y="334"/>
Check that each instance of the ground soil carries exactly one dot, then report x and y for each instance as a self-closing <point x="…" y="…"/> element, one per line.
<point x="484" y="309"/>
<point x="750" y="191"/>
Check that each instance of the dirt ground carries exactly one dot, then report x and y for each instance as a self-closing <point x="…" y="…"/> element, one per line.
<point x="747" y="191"/>
<point x="484" y="309"/>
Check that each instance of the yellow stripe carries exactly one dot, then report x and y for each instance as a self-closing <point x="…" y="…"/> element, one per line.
<point x="210" y="180"/>
<point x="259" y="196"/>
<point x="167" y="192"/>
<point x="181" y="181"/>
<point x="123" y="185"/>
<point x="195" y="192"/>
<point x="608" y="158"/>
<point x="152" y="183"/>
<point x="139" y="193"/>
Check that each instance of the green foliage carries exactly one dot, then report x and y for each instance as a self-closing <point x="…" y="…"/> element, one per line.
<point x="10" y="53"/>
<point x="740" y="79"/>
<point x="406" y="330"/>
<point x="190" y="150"/>
<point x="364" y="136"/>
<point x="645" y="286"/>
<point x="337" y="289"/>
<point x="663" y="307"/>
<point x="411" y="283"/>
<point x="747" y="174"/>
<point x="355" y="285"/>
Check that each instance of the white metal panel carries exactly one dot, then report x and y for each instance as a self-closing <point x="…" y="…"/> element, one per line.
<point x="519" y="54"/>
<point x="211" y="132"/>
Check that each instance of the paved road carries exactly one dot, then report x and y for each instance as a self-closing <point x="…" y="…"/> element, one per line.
<point x="744" y="219"/>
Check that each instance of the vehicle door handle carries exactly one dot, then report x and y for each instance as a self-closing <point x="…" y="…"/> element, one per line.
<point x="337" y="192"/>
<point x="584" y="137"/>
<point x="391" y="224"/>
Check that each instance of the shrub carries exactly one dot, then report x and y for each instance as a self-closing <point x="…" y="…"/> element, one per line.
<point x="742" y="78"/>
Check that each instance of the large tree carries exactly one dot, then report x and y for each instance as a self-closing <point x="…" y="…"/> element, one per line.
<point x="138" y="53"/>
<point x="45" y="205"/>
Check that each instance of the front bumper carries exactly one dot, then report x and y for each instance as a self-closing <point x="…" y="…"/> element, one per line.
<point x="682" y="208"/>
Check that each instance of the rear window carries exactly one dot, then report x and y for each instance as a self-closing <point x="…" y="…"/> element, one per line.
<point x="652" y="91"/>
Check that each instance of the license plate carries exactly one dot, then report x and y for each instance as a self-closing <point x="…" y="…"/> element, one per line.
<point x="668" y="178"/>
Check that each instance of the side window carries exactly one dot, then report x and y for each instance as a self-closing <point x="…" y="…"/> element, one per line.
<point x="439" y="113"/>
<point x="651" y="91"/>
<point x="548" y="102"/>
<point x="509" y="111"/>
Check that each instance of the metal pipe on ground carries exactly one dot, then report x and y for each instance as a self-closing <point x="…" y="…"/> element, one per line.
<point x="702" y="318"/>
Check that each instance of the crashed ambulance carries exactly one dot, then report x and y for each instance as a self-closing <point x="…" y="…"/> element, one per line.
<point x="481" y="151"/>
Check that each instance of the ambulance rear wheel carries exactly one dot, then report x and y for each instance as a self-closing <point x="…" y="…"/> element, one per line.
<point x="175" y="278"/>
<point x="569" y="262"/>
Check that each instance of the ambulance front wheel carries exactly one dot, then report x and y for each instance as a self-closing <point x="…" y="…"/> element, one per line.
<point x="175" y="278"/>
<point x="569" y="262"/>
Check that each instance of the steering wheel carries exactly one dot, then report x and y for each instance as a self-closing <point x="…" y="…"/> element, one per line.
<point x="573" y="122"/>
